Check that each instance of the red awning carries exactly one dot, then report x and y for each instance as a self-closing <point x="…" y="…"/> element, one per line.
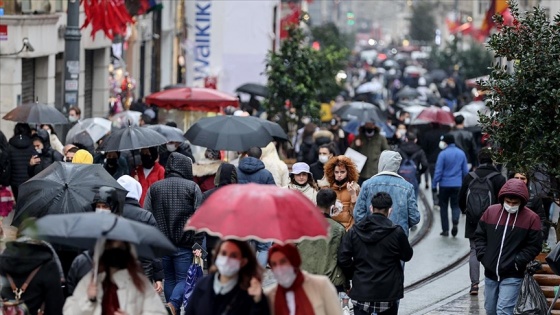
<point x="192" y="99"/>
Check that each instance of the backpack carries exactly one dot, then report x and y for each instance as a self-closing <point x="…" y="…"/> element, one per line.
<point x="18" y="306"/>
<point x="5" y="167"/>
<point x="408" y="169"/>
<point x="480" y="195"/>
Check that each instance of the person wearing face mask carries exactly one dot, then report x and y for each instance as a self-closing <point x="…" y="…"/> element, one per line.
<point x="74" y="114"/>
<point x="342" y="174"/>
<point x="119" y="288"/>
<point x="326" y="152"/>
<point x="371" y="254"/>
<point x="507" y="238"/>
<point x="149" y="172"/>
<point x="205" y="170"/>
<point x="55" y="142"/>
<point x="115" y="165"/>
<point x="301" y="180"/>
<point x="183" y="148"/>
<point x="233" y="284"/>
<point x="370" y="143"/>
<point x="451" y="168"/>
<point x="44" y="154"/>
<point x="298" y="292"/>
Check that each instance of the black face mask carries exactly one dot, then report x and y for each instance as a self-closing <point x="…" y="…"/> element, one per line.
<point x="112" y="162"/>
<point x="115" y="258"/>
<point x="147" y="161"/>
<point x="340" y="182"/>
<point x="369" y="130"/>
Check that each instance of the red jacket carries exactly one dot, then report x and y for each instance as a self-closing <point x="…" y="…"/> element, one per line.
<point x="157" y="173"/>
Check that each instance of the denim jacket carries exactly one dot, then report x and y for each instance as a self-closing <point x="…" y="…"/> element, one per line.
<point x="405" y="209"/>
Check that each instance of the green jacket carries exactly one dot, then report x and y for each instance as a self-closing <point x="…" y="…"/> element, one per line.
<point x="320" y="256"/>
<point x="372" y="148"/>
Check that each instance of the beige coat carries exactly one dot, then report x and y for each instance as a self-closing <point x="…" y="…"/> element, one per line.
<point x="320" y="292"/>
<point x="275" y="165"/>
<point x="307" y="190"/>
<point x="130" y="299"/>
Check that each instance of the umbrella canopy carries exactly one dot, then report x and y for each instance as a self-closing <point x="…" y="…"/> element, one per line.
<point x="195" y="99"/>
<point x="475" y="107"/>
<point x="131" y="138"/>
<point x="407" y="92"/>
<point x="273" y="128"/>
<point x="63" y="188"/>
<point x="253" y="89"/>
<point x="438" y="75"/>
<point x="126" y="118"/>
<point x="434" y="114"/>
<point x="172" y="134"/>
<point x="369" y="87"/>
<point x="262" y="212"/>
<point x="83" y="138"/>
<point x="231" y="133"/>
<point x="471" y="120"/>
<point x="95" y="128"/>
<point x="36" y="113"/>
<point x="82" y="230"/>
<point x="362" y="112"/>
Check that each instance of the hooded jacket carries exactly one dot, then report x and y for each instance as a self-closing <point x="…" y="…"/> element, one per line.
<point x="420" y="160"/>
<point x="506" y="242"/>
<point x="275" y="165"/>
<point x="371" y="254"/>
<point x="251" y="170"/>
<point x="227" y="174"/>
<point x="18" y="260"/>
<point x="48" y="155"/>
<point x="20" y="148"/>
<point x="405" y="209"/>
<point x="174" y="200"/>
<point x="204" y="172"/>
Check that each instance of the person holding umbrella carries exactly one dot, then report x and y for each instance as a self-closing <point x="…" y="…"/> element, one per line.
<point x="149" y="172"/>
<point x="117" y="286"/>
<point x="233" y="285"/>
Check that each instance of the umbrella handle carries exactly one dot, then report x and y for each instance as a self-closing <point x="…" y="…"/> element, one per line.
<point x="104" y="233"/>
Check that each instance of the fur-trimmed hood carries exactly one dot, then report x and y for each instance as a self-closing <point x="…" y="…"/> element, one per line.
<point x="324" y="135"/>
<point x="206" y="167"/>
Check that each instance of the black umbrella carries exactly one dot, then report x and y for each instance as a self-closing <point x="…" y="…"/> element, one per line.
<point x="36" y="113"/>
<point x="82" y="230"/>
<point x="273" y="128"/>
<point x="63" y="188"/>
<point x="437" y="75"/>
<point x="231" y="133"/>
<point x="253" y="89"/>
<point x="131" y="138"/>
<point x="407" y="92"/>
<point x="362" y="112"/>
<point x="172" y="134"/>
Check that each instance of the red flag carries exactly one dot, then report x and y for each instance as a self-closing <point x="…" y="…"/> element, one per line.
<point x="496" y="6"/>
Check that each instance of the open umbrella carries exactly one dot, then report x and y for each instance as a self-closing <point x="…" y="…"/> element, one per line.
<point x="273" y="128"/>
<point x="434" y="114"/>
<point x="253" y="89"/>
<point x="362" y="112"/>
<point x="126" y="118"/>
<point x="95" y="128"/>
<point x="82" y="230"/>
<point x="475" y="107"/>
<point x="471" y="120"/>
<point x="36" y="113"/>
<point x="63" y="188"/>
<point x="437" y="75"/>
<point x="172" y="134"/>
<point x="407" y="92"/>
<point x="231" y="133"/>
<point x="131" y="138"/>
<point x="194" y="99"/>
<point x="262" y="212"/>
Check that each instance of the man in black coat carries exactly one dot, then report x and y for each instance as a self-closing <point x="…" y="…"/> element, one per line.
<point x="371" y="254"/>
<point x="429" y="141"/>
<point x="20" y="151"/>
<point x="409" y="149"/>
<point x="486" y="168"/>
<point x="464" y="139"/>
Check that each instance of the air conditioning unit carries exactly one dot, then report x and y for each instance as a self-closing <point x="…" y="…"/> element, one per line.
<point x="35" y="6"/>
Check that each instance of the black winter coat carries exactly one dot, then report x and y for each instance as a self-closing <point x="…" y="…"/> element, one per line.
<point x="370" y="255"/>
<point x="184" y="149"/>
<point x="174" y="199"/>
<point x="19" y="260"/>
<point x="464" y="140"/>
<point x="81" y="265"/>
<point x="317" y="169"/>
<point x="420" y="160"/>
<point x="21" y="150"/>
<point x="429" y="141"/>
<point x="205" y="302"/>
<point x="48" y="155"/>
<point x="497" y="182"/>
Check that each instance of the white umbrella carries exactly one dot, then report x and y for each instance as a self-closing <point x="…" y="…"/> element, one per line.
<point x="126" y="118"/>
<point x="475" y="107"/>
<point x="471" y="119"/>
<point x="96" y="128"/>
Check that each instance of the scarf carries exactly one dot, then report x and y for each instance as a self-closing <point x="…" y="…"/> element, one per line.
<point x="110" y="303"/>
<point x="303" y="305"/>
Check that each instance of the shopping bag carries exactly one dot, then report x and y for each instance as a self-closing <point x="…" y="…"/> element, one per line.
<point x="553" y="259"/>
<point x="531" y="299"/>
<point x="194" y="274"/>
<point x="6" y="201"/>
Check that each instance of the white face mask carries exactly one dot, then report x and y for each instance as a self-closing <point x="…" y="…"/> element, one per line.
<point x="511" y="209"/>
<point x="39" y="151"/>
<point x="323" y="159"/>
<point x="171" y="147"/>
<point x="442" y="145"/>
<point x="101" y="210"/>
<point x="49" y="131"/>
<point x="407" y="121"/>
<point x="72" y="118"/>
<point x="285" y="275"/>
<point x="227" y="266"/>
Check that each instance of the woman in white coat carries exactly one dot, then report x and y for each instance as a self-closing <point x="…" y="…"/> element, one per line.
<point x="302" y="180"/>
<point x="119" y="289"/>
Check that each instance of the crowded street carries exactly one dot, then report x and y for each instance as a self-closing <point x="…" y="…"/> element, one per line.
<point x="284" y="157"/>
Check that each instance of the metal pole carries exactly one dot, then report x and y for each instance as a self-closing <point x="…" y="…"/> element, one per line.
<point x="142" y="66"/>
<point x="72" y="37"/>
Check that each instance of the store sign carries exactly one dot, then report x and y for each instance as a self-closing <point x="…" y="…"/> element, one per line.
<point x="202" y="37"/>
<point x="3" y="32"/>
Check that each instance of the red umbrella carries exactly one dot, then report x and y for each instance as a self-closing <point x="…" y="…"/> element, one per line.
<point x="434" y="115"/>
<point x="196" y="99"/>
<point x="261" y="212"/>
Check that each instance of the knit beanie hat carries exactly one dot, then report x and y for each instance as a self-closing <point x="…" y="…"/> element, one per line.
<point x="82" y="157"/>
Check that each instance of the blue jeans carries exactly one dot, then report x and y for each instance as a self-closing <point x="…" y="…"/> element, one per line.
<point x="500" y="296"/>
<point x="175" y="269"/>
<point x="449" y="195"/>
<point x="261" y="251"/>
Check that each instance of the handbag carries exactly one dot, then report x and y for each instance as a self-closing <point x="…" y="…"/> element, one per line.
<point x="18" y="306"/>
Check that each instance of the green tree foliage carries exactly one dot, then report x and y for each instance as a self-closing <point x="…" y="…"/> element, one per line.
<point x="474" y="61"/>
<point x="328" y="35"/>
<point x="525" y="97"/>
<point x="422" y="23"/>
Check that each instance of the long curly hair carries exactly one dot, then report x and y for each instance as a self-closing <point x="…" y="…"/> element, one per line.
<point x="344" y="161"/>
